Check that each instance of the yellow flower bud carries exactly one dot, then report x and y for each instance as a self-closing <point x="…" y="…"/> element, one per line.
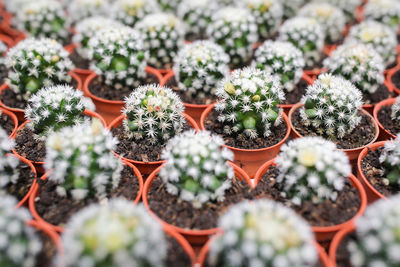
<point x="229" y="88"/>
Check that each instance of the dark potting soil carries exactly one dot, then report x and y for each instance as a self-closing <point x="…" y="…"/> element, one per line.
<point x="317" y="65"/>
<point x="6" y="123"/>
<point x="176" y="255"/>
<point x="57" y="210"/>
<point x="102" y="90"/>
<point x="384" y="117"/>
<point x="362" y="135"/>
<point x="45" y="258"/>
<point x="396" y="79"/>
<point x="375" y="173"/>
<point x="296" y="94"/>
<point x="139" y="150"/>
<point x="278" y="133"/>
<point x="342" y="253"/>
<point x="380" y="94"/>
<point x="191" y="37"/>
<point x="327" y="213"/>
<point x="24" y="183"/>
<point x="28" y="147"/>
<point x="3" y="73"/>
<point x="79" y="61"/>
<point x="181" y="213"/>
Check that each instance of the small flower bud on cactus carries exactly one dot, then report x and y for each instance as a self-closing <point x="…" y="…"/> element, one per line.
<point x="118" y="56"/>
<point x="235" y="29"/>
<point x="377" y="36"/>
<point x="390" y="159"/>
<point x="117" y="234"/>
<point x="81" y="9"/>
<point x="249" y="105"/>
<point x="290" y="7"/>
<point x="377" y="240"/>
<point x="196" y="167"/>
<point x="19" y="244"/>
<point x="307" y="35"/>
<point x="34" y="64"/>
<point x="396" y="111"/>
<point x="131" y="11"/>
<point x="153" y="113"/>
<point x="8" y="163"/>
<point x="384" y="11"/>
<point x="358" y="63"/>
<point x="281" y="59"/>
<point x="263" y="233"/>
<point x="349" y="7"/>
<point x="163" y="36"/>
<point x="311" y="169"/>
<point x="198" y="68"/>
<point x="331" y="105"/>
<point x="81" y="161"/>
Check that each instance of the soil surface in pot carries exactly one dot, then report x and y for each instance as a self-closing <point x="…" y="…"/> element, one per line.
<point x="191" y="37"/>
<point x="24" y="182"/>
<point x="327" y="213"/>
<point x="6" y="123"/>
<point x="362" y="135"/>
<point x="396" y="79"/>
<point x="384" y="117"/>
<point x="375" y="173"/>
<point x="57" y="210"/>
<point x="28" y="147"/>
<point x="79" y="61"/>
<point x="277" y="134"/>
<point x="317" y="65"/>
<point x="342" y="253"/>
<point x="176" y="255"/>
<point x="139" y="150"/>
<point x="296" y="94"/>
<point x="3" y="73"/>
<point x="175" y="211"/>
<point x="380" y="94"/>
<point x="46" y="255"/>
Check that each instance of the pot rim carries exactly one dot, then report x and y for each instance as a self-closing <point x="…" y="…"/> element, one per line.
<point x="378" y="107"/>
<point x="13" y="118"/>
<point x="337" y="239"/>
<point x="308" y="80"/>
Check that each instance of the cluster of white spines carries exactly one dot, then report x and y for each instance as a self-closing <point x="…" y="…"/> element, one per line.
<point x="262" y="233"/>
<point x="197" y="168"/>
<point x="163" y="36"/>
<point x="395" y="110"/>
<point x="8" y="163"/>
<point x="14" y="5"/>
<point x="290" y="7"/>
<point x="116" y="234"/>
<point x="81" y="9"/>
<point x="235" y="29"/>
<point x="281" y="59"/>
<point x="390" y="160"/>
<point x="199" y="66"/>
<point x="153" y="113"/>
<point x="349" y="7"/>
<point x="131" y="11"/>
<point x="307" y="35"/>
<point x="311" y="169"/>
<point x="249" y="103"/>
<point x="376" y="35"/>
<point x="19" y="244"/>
<point x="81" y="161"/>
<point x="377" y="235"/>
<point x="385" y="11"/>
<point x="169" y="5"/>
<point x="358" y="63"/>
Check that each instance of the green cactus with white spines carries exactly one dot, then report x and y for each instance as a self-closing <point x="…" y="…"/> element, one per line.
<point x="290" y="7"/>
<point x="384" y="11"/>
<point x="390" y="159"/>
<point x="349" y="7"/>
<point x="34" y="64"/>
<point x="169" y="5"/>
<point x="129" y="12"/>
<point x="82" y="9"/>
<point x="9" y="173"/>
<point x="281" y="59"/>
<point x="249" y="103"/>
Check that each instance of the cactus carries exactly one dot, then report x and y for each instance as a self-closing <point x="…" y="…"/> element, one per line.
<point x="81" y="162"/>
<point x="163" y="36"/>
<point x="153" y="113"/>
<point x="169" y="5"/>
<point x="377" y="239"/>
<point x="390" y="159"/>
<point x="384" y="11"/>
<point x="307" y="35"/>
<point x="116" y="234"/>
<point x="249" y="105"/>
<point x="9" y="173"/>
<point x="311" y="169"/>
<point x="290" y="7"/>
<point x="349" y="7"/>
<point x="34" y="64"/>
<point x="234" y="29"/>
<point x="281" y="59"/>
<point x="196" y="167"/>
<point x="129" y="12"/>
<point x="262" y="233"/>
<point x="118" y="56"/>
<point x="82" y="9"/>
<point x="331" y="105"/>
<point x="198" y="68"/>
<point x="358" y="63"/>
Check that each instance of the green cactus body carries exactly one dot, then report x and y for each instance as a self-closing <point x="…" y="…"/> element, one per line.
<point x="169" y="5"/>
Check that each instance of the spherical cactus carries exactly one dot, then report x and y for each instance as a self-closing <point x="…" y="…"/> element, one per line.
<point x="235" y="29"/>
<point x="307" y="35"/>
<point x="311" y="169"/>
<point x="81" y="161"/>
<point x="377" y="36"/>
<point x="154" y="113"/>
<point x="198" y="68"/>
<point x="118" y="56"/>
<point x="290" y="7"/>
<point x="358" y="63"/>
<point x="117" y="234"/>
<point x="330" y="17"/>
<point x="131" y="11"/>
<point x="169" y="5"/>
<point x="34" y="64"/>
<point x="377" y="238"/>
<point x="263" y="233"/>
<point x="349" y="7"/>
<point x="81" y="9"/>
<point x="249" y="105"/>
<point x="385" y="11"/>
<point x="390" y="159"/>
<point x="8" y="163"/>
<point x="19" y="244"/>
<point x="281" y="59"/>
<point x="331" y="105"/>
<point x="163" y="36"/>
<point x="196" y="167"/>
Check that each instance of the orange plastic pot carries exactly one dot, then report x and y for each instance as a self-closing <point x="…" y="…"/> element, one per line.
<point x="183" y="243"/>
<point x="389" y="80"/>
<point x="336" y="242"/>
<point x="315" y="72"/>
<point x="351" y="153"/>
<point x="83" y="74"/>
<point x="360" y="14"/>
<point x="49" y="232"/>
<point x="7" y="40"/>
<point x="110" y="109"/>
<point x="146" y="167"/>
<point x="195" y="237"/>
<point x="325" y="234"/>
<point x="251" y="159"/>
<point x="13" y="118"/>
<point x="383" y="133"/>
<point x="35" y="192"/>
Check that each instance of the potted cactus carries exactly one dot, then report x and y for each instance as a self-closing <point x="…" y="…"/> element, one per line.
<point x="81" y="9"/>
<point x="195" y="185"/>
<point x="81" y="169"/>
<point x="387" y="115"/>
<point x="129" y="12"/>
<point x="385" y="11"/>
<point x="349" y="7"/>
<point x="248" y="117"/>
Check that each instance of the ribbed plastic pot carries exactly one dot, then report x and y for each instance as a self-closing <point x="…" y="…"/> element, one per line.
<point x="384" y="134"/>
<point x="336" y="243"/>
<point x="389" y="80"/>
<point x="13" y="118"/>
